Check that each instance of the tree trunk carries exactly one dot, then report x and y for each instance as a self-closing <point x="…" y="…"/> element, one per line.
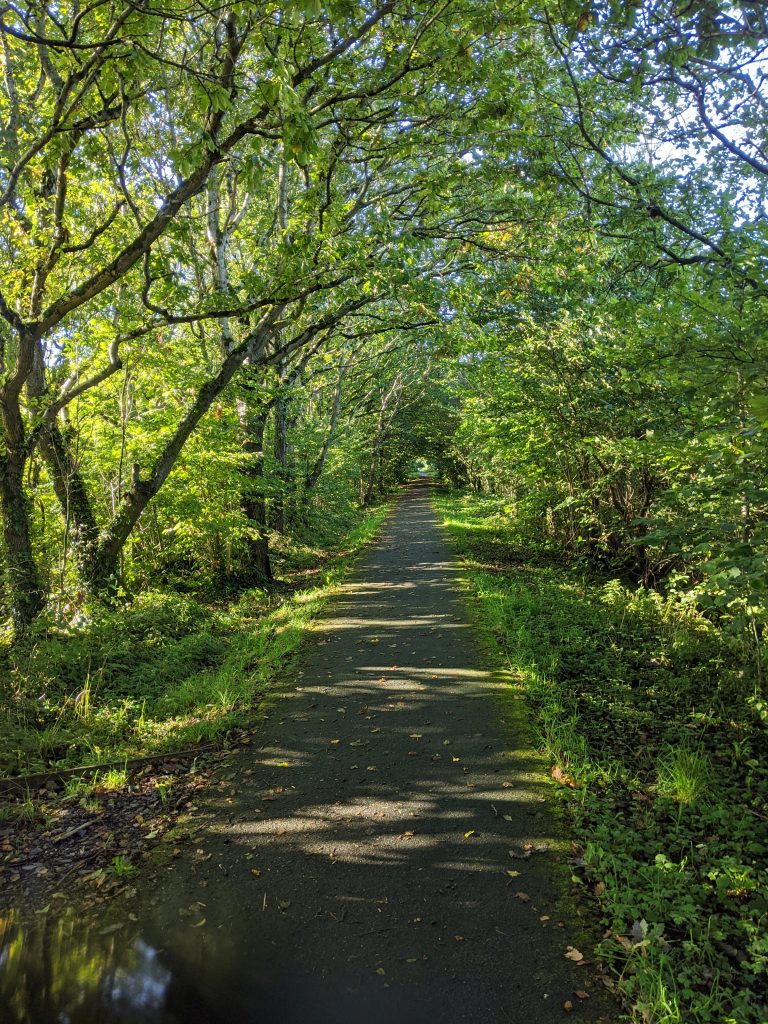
<point x="25" y="591"/>
<point x="374" y="471"/>
<point x="64" y="471"/>
<point x="281" y="404"/>
<point x="104" y="561"/>
<point x="72" y="494"/>
<point x="280" y="450"/>
<point x="316" y="471"/>
<point x="253" y="502"/>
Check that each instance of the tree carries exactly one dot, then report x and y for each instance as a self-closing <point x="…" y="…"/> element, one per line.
<point x="133" y="115"/>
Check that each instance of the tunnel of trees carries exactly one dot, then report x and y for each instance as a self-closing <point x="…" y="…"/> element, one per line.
<point x="254" y="259"/>
<point x="258" y="259"/>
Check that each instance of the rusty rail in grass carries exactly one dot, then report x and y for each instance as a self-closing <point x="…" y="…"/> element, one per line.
<point x="38" y="780"/>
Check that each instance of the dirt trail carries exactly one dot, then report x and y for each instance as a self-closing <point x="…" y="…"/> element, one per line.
<point x="354" y="867"/>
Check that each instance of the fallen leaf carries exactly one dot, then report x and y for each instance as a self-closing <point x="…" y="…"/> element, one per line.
<point x="199" y="924"/>
<point x="574" y="954"/>
<point x="599" y="889"/>
<point x="335" y="743"/>
<point x="513" y="874"/>
<point x="581" y="993"/>
<point x="565" y="780"/>
<point x="523" y="897"/>
<point x="567" y="1005"/>
<point x="256" y="872"/>
<point x="468" y="835"/>
<point x="639" y="931"/>
<point x="380" y="970"/>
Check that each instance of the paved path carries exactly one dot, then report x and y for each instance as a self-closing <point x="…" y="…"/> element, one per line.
<point x="355" y="867"/>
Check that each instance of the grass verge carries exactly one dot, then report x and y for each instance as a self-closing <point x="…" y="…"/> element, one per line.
<point x="661" y="763"/>
<point x="165" y="673"/>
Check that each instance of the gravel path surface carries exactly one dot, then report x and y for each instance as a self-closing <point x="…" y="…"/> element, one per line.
<point x="354" y="865"/>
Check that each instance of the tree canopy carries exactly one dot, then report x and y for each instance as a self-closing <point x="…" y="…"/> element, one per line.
<point x="257" y="258"/>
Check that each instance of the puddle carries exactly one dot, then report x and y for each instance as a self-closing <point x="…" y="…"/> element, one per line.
<point x="59" y="972"/>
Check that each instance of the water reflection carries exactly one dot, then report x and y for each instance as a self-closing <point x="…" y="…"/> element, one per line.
<point x="62" y="972"/>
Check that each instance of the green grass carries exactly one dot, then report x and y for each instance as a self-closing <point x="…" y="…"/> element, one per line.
<point x="651" y="710"/>
<point x="167" y="672"/>
<point x="684" y="774"/>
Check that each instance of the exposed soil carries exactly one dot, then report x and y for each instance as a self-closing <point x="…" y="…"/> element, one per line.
<point x="67" y="850"/>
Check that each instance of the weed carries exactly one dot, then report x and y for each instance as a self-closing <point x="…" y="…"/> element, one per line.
<point x="25" y="810"/>
<point x="684" y="773"/>
<point x="120" y="865"/>
<point x="111" y="780"/>
<point x="164" y="790"/>
<point x="83" y="701"/>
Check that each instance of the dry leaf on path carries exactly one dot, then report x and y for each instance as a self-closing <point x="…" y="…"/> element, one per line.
<point x="565" y="780"/>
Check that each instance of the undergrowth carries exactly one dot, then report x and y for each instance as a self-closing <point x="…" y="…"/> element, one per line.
<point x="163" y="673"/>
<point x="649" y="712"/>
